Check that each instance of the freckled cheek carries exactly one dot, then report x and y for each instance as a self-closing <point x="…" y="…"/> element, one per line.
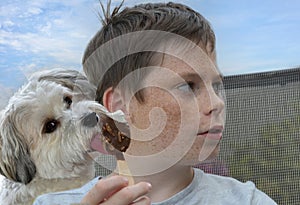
<point x="171" y="130"/>
<point x="139" y="118"/>
<point x="156" y="99"/>
<point x="172" y="120"/>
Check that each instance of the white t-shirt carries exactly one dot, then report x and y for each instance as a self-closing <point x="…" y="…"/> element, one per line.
<point x="205" y="189"/>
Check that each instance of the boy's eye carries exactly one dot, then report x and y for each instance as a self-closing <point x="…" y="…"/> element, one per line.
<point x="186" y="87"/>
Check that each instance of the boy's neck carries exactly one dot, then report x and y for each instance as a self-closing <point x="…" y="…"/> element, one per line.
<point x="167" y="183"/>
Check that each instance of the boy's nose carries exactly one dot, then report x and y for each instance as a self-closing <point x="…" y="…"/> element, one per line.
<point x="215" y="103"/>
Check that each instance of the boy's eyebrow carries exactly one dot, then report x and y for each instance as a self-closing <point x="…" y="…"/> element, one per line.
<point x="186" y="75"/>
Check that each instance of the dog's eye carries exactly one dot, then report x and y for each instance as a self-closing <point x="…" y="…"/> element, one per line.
<point x="68" y="101"/>
<point x="50" y="126"/>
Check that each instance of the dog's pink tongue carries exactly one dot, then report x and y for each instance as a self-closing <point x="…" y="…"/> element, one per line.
<point x="97" y="145"/>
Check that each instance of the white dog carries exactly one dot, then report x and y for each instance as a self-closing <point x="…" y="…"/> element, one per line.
<point x="45" y="136"/>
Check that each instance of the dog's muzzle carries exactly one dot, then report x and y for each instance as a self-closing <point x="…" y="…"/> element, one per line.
<point x="90" y="120"/>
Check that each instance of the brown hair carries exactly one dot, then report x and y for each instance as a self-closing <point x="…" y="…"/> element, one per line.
<point x="109" y="41"/>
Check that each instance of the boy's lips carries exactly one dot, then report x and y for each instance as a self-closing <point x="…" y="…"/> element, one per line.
<point x="214" y="133"/>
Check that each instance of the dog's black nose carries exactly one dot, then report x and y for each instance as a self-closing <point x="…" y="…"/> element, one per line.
<point x="90" y="120"/>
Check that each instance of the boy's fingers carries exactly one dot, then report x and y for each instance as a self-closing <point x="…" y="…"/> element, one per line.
<point x="103" y="189"/>
<point x="142" y="201"/>
<point x="131" y="195"/>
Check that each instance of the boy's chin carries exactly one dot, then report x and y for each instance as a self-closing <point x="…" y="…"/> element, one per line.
<point x="204" y="156"/>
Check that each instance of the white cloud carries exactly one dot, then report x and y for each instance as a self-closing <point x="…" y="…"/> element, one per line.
<point x="9" y="10"/>
<point x="7" y="23"/>
<point x="61" y="34"/>
<point x="21" y="9"/>
<point x="28" y="69"/>
<point x="31" y="11"/>
<point x="46" y="29"/>
<point x="58" y="47"/>
<point x="34" y="10"/>
<point x="58" y="30"/>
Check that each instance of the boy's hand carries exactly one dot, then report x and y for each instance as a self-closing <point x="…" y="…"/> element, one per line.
<point x="115" y="190"/>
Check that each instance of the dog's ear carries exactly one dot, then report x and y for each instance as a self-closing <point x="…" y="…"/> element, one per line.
<point x="15" y="161"/>
<point x="72" y="79"/>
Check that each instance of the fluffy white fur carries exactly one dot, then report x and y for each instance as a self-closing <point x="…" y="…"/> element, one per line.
<point x="45" y="135"/>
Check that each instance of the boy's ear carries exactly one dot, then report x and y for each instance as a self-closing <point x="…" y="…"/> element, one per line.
<point x="113" y="100"/>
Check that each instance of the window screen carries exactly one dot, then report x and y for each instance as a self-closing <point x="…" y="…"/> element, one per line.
<point x="261" y="141"/>
<point x="262" y="134"/>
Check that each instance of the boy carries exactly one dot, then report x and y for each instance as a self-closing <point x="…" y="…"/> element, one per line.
<point x="157" y="63"/>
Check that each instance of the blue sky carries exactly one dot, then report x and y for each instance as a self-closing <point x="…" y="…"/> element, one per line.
<point x="252" y="35"/>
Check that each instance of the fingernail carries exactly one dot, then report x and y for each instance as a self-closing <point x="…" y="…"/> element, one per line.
<point x="149" y="186"/>
<point x="125" y="179"/>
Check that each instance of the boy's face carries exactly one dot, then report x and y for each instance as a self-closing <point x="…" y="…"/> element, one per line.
<point x="182" y="117"/>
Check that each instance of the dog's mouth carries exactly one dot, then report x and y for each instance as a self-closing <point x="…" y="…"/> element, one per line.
<point x="113" y="135"/>
<point x="97" y="144"/>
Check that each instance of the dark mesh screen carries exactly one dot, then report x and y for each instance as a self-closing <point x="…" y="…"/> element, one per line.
<point x="262" y="137"/>
<point x="262" y="134"/>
